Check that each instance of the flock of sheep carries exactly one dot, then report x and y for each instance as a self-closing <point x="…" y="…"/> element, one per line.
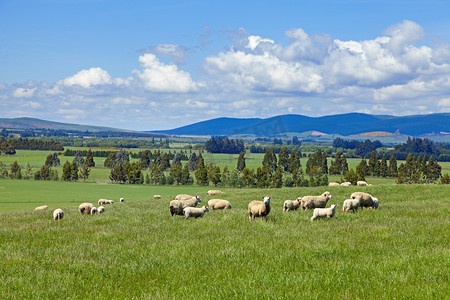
<point x="186" y="205"/>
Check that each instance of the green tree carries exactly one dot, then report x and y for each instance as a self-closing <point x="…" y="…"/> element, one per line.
<point x="90" y="159"/>
<point x="201" y="173"/>
<point x="214" y="175"/>
<point x="362" y="170"/>
<point x="164" y="163"/>
<point x="49" y="160"/>
<point x="28" y="172"/>
<point x="248" y="177"/>
<point x="351" y="176"/>
<point x="145" y="159"/>
<point x="225" y="176"/>
<point x="176" y="172"/>
<point x="78" y="159"/>
<point x="283" y="159"/>
<point x="134" y="172"/>
<point x="235" y="179"/>
<point x="66" y="175"/>
<point x="393" y="169"/>
<point x="373" y="165"/>
<point x="185" y="175"/>
<point x="110" y="161"/>
<point x="118" y="174"/>
<point x="294" y="163"/>
<point x="277" y="180"/>
<point x="16" y="172"/>
<point x="45" y="172"/>
<point x="241" y="162"/>
<point x="73" y="171"/>
<point x="85" y="171"/>
<point x="383" y="166"/>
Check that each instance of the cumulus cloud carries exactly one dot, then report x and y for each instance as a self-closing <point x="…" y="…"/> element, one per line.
<point x="174" y="52"/>
<point x="23" y="92"/>
<point x="88" y="78"/>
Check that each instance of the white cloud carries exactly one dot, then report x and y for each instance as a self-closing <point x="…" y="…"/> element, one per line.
<point x="88" y="78"/>
<point x="444" y="102"/>
<point x="176" y="53"/>
<point x="160" y="77"/>
<point x="23" y="92"/>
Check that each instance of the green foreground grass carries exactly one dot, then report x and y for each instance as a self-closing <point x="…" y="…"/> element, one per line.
<point x="136" y="250"/>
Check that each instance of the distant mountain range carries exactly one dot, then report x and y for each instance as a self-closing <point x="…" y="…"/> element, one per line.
<point x="343" y="124"/>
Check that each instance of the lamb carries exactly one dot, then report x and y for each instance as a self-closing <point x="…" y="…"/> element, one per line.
<point x="176" y="206"/>
<point x="259" y="208"/>
<point x="157" y="197"/>
<point x="219" y="204"/>
<point x="58" y="214"/>
<point x="350" y="204"/>
<point x="365" y="199"/>
<point x="85" y="208"/>
<point x="361" y="183"/>
<point x="324" y="212"/>
<point x="333" y="184"/>
<point x="122" y="200"/>
<point x="214" y="192"/>
<point x="43" y="207"/>
<point x="292" y="204"/>
<point x="347" y="183"/>
<point x="94" y="211"/>
<point x="194" y="212"/>
<point x="105" y="201"/>
<point x="100" y="209"/>
<point x="310" y="202"/>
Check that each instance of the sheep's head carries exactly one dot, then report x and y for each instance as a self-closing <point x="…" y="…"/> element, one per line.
<point x="375" y="202"/>
<point x="206" y="208"/>
<point x="327" y="195"/>
<point x="266" y="200"/>
<point x="198" y="199"/>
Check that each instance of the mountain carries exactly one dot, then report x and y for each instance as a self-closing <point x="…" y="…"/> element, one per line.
<point x="343" y="124"/>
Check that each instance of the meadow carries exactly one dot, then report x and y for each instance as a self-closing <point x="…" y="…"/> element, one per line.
<point x="136" y="250"/>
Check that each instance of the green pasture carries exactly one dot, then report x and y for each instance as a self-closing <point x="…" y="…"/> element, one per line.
<point x="136" y="250"/>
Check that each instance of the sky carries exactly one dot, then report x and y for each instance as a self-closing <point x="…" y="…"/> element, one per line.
<point x="155" y="65"/>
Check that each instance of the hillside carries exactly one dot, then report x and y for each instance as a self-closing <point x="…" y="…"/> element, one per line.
<point x="344" y="124"/>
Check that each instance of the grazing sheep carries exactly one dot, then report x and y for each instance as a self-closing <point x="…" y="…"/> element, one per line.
<point x="43" y="207"/>
<point x="347" y="183"/>
<point x="292" y="204"/>
<point x="350" y="204"/>
<point x="94" y="211"/>
<point x="333" y="184"/>
<point x="85" y="208"/>
<point x="58" y="214"/>
<point x="194" y="212"/>
<point x="219" y="204"/>
<point x="157" y="197"/>
<point x="100" y="209"/>
<point x="259" y="208"/>
<point x="365" y="199"/>
<point x="176" y="206"/>
<point x="105" y="201"/>
<point x="122" y="200"/>
<point x="361" y="183"/>
<point x="184" y="197"/>
<point x="310" y="202"/>
<point x="324" y="212"/>
<point x="214" y="192"/>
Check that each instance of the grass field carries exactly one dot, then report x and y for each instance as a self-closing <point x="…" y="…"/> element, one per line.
<point x="136" y="250"/>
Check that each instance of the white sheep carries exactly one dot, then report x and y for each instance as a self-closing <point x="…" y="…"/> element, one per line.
<point x="184" y="197"/>
<point x="365" y="199"/>
<point x="324" y="212"/>
<point x="100" y="209"/>
<point x="43" y="207"/>
<point x="333" y="184"/>
<point x="361" y="183"/>
<point x="85" y="208"/>
<point x="176" y="206"/>
<point x="122" y="200"/>
<point x="350" y="204"/>
<point x="58" y="214"/>
<point x="292" y="204"/>
<point x="219" y="204"/>
<point x="347" y="183"/>
<point x="94" y="211"/>
<point x="105" y="201"/>
<point x="259" y="208"/>
<point x="157" y="196"/>
<point x="214" y="192"/>
<point x="310" y="202"/>
<point x="194" y="212"/>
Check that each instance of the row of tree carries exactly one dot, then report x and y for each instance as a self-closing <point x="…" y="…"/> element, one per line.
<point x="34" y="144"/>
<point x="220" y="144"/>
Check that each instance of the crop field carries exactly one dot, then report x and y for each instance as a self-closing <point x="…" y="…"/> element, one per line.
<point x="136" y="250"/>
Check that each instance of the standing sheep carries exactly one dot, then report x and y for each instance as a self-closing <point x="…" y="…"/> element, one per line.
<point x="292" y="204"/>
<point x="176" y="206"/>
<point x="58" y="214"/>
<point x="350" y="204"/>
<point x="365" y="199"/>
<point x="85" y="208"/>
<point x="310" y="202"/>
<point x="194" y="212"/>
<point x="43" y="207"/>
<point x="324" y="212"/>
<point x="184" y="197"/>
<point x="101" y="209"/>
<point x="214" y="192"/>
<point x="94" y="211"/>
<point x="219" y="204"/>
<point x="259" y="208"/>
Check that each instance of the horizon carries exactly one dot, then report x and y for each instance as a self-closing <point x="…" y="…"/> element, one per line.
<point x="156" y="65"/>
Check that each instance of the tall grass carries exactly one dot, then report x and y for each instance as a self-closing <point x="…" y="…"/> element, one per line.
<point x="136" y="250"/>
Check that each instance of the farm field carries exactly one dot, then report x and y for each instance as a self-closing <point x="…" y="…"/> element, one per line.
<point x="137" y="250"/>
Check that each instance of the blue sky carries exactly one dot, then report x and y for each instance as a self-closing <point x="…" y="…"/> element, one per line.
<point x="149" y="65"/>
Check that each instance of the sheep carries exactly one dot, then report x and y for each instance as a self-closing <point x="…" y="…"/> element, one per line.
<point x="219" y="204"/>
<point x="194" y="212"/>
<point x="347" y="183"/>
<point x="85" y="208"/>
<point x="365" y="199"/>
<point x="157" y="197"/>
<point x="100" y="209"/>
<point x="43" y="207"/>
<point x="350" y="204"/>
<point x="122" y="200"/>
<point x="58" y="214"/>
<point x="105" y="201"/>
<point x="310" y="202"/>
<point x="292" y="204"/>
<point x="333" y="184"/>
<point x="184" y="197"/>
<point x="214" y="192"/>
<point x="324" y="212"/>
<point x="176" y="206"/>
<point x="94" y="211"/>
<point x="361" y="183"/>
<point x="259" y="208"/>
